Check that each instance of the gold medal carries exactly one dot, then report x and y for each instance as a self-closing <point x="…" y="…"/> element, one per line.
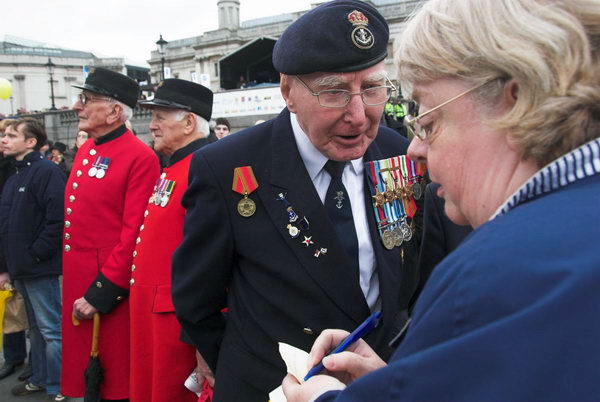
<point x="246" y="207"/>
<point x="244" y="183"/>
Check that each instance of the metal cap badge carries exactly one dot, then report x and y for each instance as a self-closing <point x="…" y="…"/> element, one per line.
<point x="361" y="36"/>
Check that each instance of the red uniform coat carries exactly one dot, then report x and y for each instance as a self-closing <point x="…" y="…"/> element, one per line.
<point x="160" y="362"/>
<point x="102" y="220"/>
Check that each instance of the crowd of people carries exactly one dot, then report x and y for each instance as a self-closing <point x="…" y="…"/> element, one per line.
<point x="184" y="278"/>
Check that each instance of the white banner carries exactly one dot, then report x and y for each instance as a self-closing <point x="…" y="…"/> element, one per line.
<point x="167" y="72"/>
<point x="205" y="80"/>
<point x="248" y="102"/>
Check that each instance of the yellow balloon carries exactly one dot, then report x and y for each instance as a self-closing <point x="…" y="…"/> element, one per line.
<point x="5" y="89"/>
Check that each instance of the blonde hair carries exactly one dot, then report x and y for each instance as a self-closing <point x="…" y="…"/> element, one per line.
<point x="551" y="48"/>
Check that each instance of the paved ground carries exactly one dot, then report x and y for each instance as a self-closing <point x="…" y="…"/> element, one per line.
<point x="9" y="382"/>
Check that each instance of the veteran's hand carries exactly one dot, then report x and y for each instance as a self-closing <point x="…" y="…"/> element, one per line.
<point x="4" y="280"/>
<point x="309" y="390"/>
<point x="356" y="361"/>
<point x="204" y="372"/>
<point x="83" y="310"/>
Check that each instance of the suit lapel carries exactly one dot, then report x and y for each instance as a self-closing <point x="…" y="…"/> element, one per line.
<point x="289" y="176"/>
<point x="389" y="262"/>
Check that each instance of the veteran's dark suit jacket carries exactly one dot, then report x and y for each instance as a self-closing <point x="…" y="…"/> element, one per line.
<point x="274" y="286"/>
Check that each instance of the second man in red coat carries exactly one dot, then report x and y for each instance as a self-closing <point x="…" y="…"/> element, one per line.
<point x="160" y="361"/>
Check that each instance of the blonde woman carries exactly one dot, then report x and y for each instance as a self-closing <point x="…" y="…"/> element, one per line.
<point x="509" y="124"/>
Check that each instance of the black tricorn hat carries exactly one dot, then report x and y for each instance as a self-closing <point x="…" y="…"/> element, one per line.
<point x="112" y="84"/>
<point x="338" y="36"/>
<point x="174" y="93"/>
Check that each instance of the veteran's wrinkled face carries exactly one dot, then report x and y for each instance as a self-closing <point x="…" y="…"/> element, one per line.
<point x="168" y="129"/>
<point x="465" y="155"/>
<point x="340" y="134"/>
<point x="94" y="112"/>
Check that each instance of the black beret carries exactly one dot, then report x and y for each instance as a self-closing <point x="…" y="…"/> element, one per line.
<point x="339" y="36"/>
<point x="112" y="84"/>
<point x="174" y="93"/>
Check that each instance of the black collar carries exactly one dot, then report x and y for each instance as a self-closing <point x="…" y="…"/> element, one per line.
<point x="113" y="135"/>
<point x="181" y="153"/>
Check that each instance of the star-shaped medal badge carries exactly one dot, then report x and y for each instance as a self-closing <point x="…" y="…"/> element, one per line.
<point x="308" y="240"/>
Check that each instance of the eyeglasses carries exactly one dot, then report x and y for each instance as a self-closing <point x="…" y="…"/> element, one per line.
<point x="412" y="122"/>
<point x="85" y="99"/>
<point x="337" y="98"/>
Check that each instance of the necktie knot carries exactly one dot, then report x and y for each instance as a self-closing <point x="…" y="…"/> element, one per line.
<point x="335" y="169"/>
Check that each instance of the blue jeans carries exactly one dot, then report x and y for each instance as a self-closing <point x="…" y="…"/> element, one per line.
<point x="14" y="347"/>
<point x="42" y="301"/>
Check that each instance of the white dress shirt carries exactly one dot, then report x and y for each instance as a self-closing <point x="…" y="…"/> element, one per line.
<point x="353" y="179"/>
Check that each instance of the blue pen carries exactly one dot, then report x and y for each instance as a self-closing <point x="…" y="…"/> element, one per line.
<point x="362" y="330"/>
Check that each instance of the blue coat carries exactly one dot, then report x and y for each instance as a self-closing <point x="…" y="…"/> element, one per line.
<point x="511" y="315"/>
<point x="31" y="218"/>
<point x="277" y="290"/>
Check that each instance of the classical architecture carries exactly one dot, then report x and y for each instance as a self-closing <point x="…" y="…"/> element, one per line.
<point x="28" y="65"/>
<point x="238" y="53"/>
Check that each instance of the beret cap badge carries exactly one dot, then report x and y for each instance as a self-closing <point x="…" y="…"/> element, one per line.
<point x="361" y="36"/>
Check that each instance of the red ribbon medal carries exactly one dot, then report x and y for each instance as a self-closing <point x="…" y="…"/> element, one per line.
<point x="245" y="183"/>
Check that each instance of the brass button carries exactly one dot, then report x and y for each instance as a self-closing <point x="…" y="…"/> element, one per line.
<point x="138" y="240"/>
<point x="67" y="224"/>
<point x="79" y="173"/>
<point x="134" y="253"/>
<point x="132" y="267"/>
<point x="99" y="284"/>
<point x="67" y="248"/>
<point x="141" y="228"/>
<point x="69" y="211"/>
<point x="75" y="185"/>
<point x="85" y="162"/>
<point x="72" y="198"/>
<point x="146" y="213"/>
<point x="162" y="176"/>
<point x="131" y="282"/>
<point x="92" y="152"/>
<point x="67" y="236"/>
<point x="119" y="298"/>
<point x="308" y="331"/>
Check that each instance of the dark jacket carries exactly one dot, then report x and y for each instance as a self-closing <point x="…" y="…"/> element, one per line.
<point x="31" y="218"/>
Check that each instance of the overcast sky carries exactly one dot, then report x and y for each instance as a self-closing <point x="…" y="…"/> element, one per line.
<point x="127" y="28"/>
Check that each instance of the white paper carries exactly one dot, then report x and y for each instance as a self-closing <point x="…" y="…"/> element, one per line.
<point x="296" y="361"/>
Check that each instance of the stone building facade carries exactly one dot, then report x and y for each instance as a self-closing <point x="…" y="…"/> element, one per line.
<point x="25" y="64"/>
<point x="199" y="58"/>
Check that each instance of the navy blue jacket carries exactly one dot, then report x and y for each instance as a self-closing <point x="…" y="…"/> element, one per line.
<point x="31" y="218"/>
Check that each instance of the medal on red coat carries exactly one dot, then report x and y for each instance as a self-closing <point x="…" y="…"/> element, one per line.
<point x="245" y="183"/>
<point x="99" y="168"/>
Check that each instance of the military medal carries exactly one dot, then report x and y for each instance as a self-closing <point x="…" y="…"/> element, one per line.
<point x="388" y="239"/>
<point x="94" y="169"/>
<point x="398" y="236"/>
<point x="406" y="232"/>
<point x="293" y="231"/>
<point x="245" y="183"/>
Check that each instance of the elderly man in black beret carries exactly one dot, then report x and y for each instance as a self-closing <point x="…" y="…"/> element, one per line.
<point x="279" y="225"/>
<point x="161" y="363"/>
<point x="108" y="189"/>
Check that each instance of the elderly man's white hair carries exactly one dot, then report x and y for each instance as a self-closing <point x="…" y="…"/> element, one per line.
<point x="127" y="110"/>
<point x="201" y="123"/>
